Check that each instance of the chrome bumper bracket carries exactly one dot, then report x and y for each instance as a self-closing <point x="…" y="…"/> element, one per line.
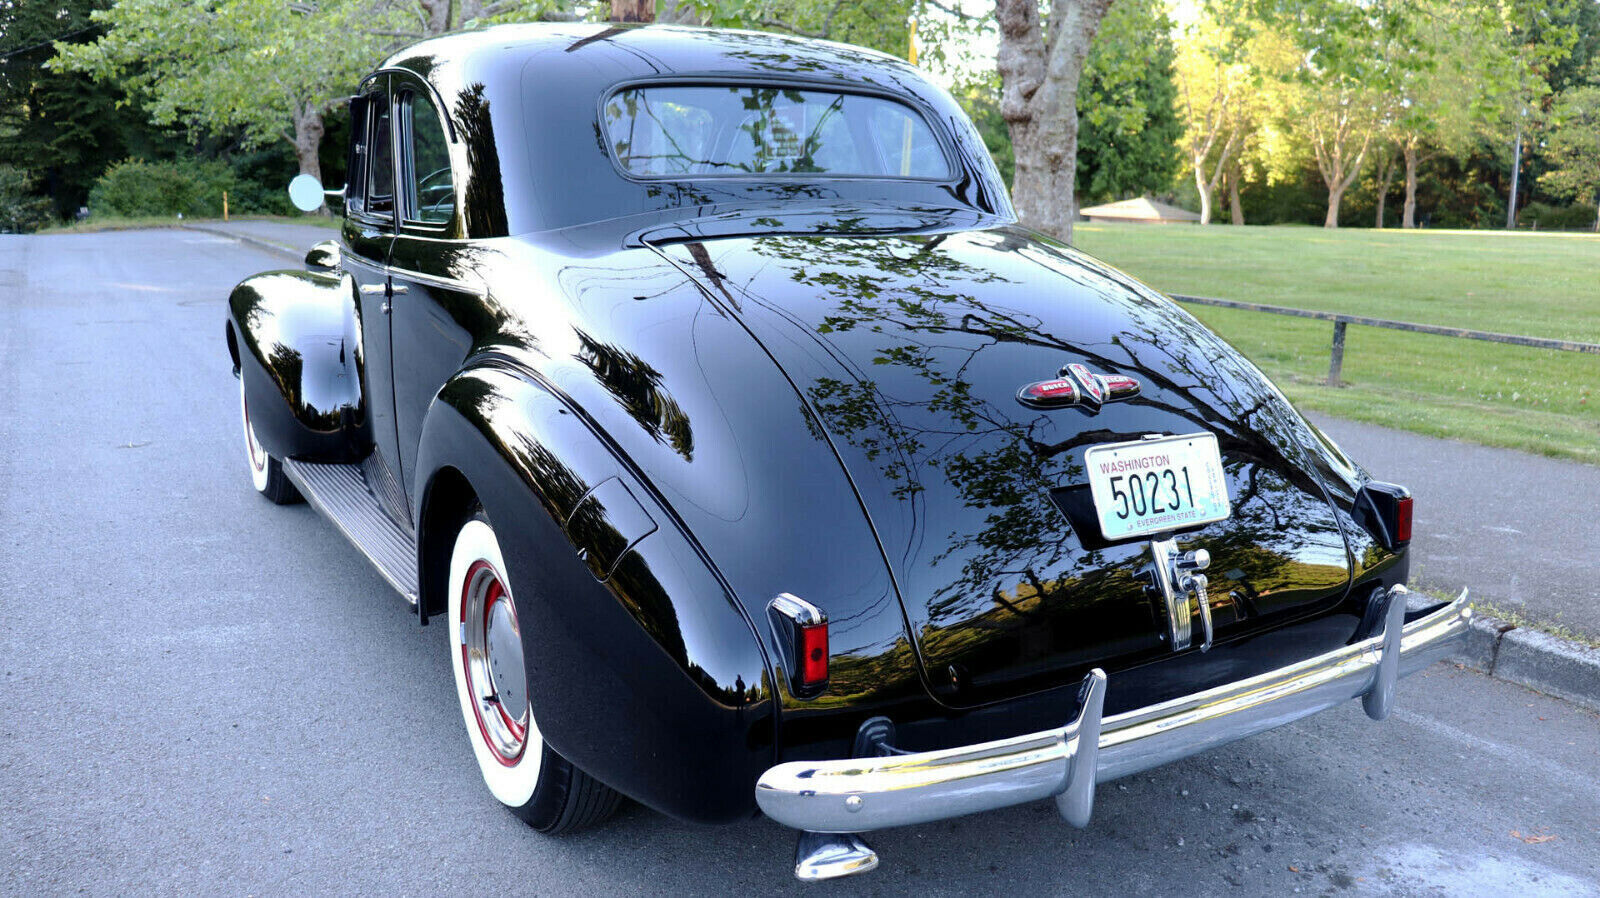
<point x="1380" y="698"/>
<point x="1075" y="801"/>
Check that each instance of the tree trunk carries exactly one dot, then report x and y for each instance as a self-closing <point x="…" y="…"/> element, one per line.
<point x="1046" y="154"/>
<point x="633" y="10"/>
<point x="1335" y="194"/>
<point x="436" y="16"/>
<point x="1205" y="191"/>
<point x="1409" y="220"/>
<point x="1385" y="175"/>
<point x="308" y="130"/>
<point x="1039" y="100"/>
<point x="1597" y="218"/>
<point x="1235" y="208"/>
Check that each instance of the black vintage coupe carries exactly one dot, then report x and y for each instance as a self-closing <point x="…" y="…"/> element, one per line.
<point x="705" y="385"/>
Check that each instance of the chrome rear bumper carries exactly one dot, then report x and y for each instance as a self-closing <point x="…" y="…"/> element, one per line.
<point x="859" y="794"/>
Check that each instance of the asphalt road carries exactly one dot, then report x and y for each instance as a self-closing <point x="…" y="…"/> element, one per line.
<point x="1518" y="529"/>
<point x="201" y="693"/>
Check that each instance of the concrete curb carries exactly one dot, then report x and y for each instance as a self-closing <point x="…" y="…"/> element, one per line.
<point x="268" y="245"/>
<point x="1539" y="661"/>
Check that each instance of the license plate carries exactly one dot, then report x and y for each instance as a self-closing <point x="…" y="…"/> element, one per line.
<point x="1151" y="486"/>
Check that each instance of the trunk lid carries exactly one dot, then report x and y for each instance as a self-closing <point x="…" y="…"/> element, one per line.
<point x="910" y="351"/>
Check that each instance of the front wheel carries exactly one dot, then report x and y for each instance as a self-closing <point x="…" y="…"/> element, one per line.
<point x="522" y="772"/>
<point x="266" y="472"/>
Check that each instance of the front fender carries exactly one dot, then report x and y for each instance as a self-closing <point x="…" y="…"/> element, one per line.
<point x="642" y="667"/>
<point x="295" y="342"/>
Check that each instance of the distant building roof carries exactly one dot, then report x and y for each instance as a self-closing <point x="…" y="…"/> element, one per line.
<point x="1141" y="209"/>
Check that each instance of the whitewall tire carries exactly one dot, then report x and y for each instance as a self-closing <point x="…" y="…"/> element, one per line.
<point x="486" y="656"/>
<point x="266" y="472"/>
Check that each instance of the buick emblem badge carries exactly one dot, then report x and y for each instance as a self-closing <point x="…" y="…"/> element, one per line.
<point x="1077" y="385"/>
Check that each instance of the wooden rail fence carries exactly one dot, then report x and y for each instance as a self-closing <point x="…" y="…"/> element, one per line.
<point x="1341" y="321"/>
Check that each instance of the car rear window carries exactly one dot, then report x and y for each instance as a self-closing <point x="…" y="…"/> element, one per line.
<point x="760" y="130"/>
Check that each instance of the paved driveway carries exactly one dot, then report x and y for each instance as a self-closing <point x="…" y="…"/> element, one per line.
<point x="200" y="692"/>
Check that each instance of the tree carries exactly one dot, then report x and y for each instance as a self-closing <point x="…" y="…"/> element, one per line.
<point x="1127" y="112"/>
<point x="1212" y="86"/>
<point x="62" y="128"/>
<point x="1339" y="100"/>
<point x="1445" y="96"/>
<point x="1041" y="66"/>
<point x="1573" y="148"/>
<point x="1542" y="35"/>
<point x="272" y="70"/>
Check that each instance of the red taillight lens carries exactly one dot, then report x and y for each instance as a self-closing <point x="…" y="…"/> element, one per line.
<point x="1402" y="525"/>
<point x="813" y="655"/>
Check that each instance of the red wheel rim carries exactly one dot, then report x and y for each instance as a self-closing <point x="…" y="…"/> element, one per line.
<point x="491" y="658"/>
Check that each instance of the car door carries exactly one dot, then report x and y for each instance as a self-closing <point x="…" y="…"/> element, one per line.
<point x="429" y="266"/>
<point x="369" y="228"/>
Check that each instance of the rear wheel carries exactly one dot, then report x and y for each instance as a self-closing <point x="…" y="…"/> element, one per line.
<point x="522" y="772"/>
<point x="266" y="472"/>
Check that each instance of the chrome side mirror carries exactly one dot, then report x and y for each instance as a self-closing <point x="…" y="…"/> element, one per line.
<point x="307" y="195"/>
<point x="323" y="257"/>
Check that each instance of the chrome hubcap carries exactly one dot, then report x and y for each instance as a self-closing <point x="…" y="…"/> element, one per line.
<point x="491" y="650"/>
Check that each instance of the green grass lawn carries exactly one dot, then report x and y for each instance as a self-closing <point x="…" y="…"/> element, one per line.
<point x="1540" y="285"/>
<point x="121" y="223"/>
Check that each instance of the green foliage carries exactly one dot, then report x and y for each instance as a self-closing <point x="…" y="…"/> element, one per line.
<point x="20" y="210"/>
<point x="1573" y="148"/>
<point x="1127" y="106"/>
<point x="1546" y="217"/>
<point x="252" y="65"/>
<point x="62" y="128"/>
<point x="134" y="188"/>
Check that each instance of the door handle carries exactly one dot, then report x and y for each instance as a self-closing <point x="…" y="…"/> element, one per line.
<point x="390" y="289"/>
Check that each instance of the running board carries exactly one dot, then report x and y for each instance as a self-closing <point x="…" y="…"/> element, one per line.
<point x="341" y="494"/>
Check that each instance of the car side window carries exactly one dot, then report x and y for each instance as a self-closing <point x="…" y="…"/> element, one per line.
<point x="380" y="159"/>
<point x="430" y="192"/>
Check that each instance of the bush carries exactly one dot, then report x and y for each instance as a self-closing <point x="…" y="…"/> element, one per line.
<point x="137" y="188"/>
<point x="262" y="178"/>
<point x="1545" y="217"/>
<point x="20" y="210"/>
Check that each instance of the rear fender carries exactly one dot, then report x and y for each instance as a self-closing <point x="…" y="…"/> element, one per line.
<point x="643" y="669"/>
<point x="295" y="339"/>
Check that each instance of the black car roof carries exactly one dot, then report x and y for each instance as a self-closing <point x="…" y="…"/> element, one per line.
<point x="525" y="99"/>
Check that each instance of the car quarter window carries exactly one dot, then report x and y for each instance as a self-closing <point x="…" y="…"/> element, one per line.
<point x="430" y="192"/>
<point x="355" y="185"/>
<point x="380" y="160"/>
<point x="742" y="130"/>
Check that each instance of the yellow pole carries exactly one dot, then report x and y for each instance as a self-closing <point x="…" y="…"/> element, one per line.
<point x="905" y="143"/>
<point x="224" y="205"/>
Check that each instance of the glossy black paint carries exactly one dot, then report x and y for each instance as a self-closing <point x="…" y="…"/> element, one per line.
<point x="295" y="340"/>
<point x="675" y="400"/>
<point x="642" y="668"/>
